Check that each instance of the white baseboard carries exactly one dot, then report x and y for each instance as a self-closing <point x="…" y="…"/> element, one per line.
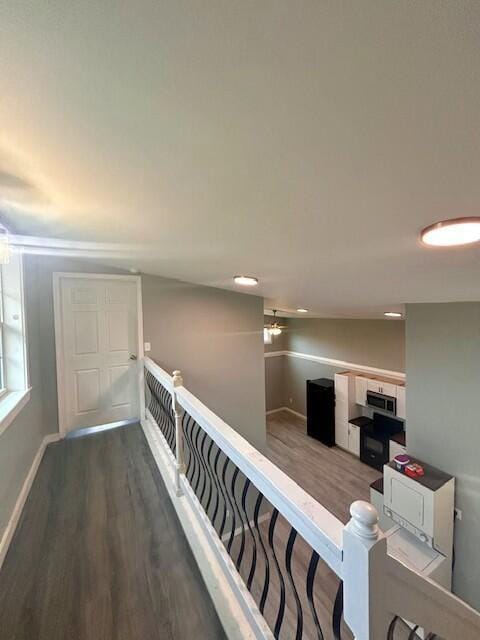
<point x="238" y="613"/>
<point x="23" y="495"/>
<point x="295" y="413"/>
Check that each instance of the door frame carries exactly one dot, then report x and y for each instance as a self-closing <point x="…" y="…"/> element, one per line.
<point x="58" y="327"/>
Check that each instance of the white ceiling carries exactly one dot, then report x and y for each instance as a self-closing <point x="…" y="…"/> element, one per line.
<point x="306" y="143"/>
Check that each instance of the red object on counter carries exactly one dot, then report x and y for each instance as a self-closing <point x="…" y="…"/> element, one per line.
<point x="414" y="470"/>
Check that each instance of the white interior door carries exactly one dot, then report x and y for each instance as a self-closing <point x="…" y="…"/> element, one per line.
<point x="97" y="344"/>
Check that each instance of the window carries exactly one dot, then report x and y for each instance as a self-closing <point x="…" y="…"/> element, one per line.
<point x="2" y="375"/>
<point x="14" y="387"/>
<point x="267" y="336"/>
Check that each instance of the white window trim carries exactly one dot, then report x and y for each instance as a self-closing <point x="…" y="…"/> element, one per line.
<point x="17" y="388"/>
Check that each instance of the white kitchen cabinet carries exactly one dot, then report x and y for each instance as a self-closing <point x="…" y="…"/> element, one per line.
<point x="344" y="407"/>
<point x="396" y="449"/>
<point x="361" y="390"/>
<point x="354" y="439"/>
<point x="401" y="404"/>
<point x="378" y="386"/>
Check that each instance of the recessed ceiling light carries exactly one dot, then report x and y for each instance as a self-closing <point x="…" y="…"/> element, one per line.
<point x="452" y="233"/>
<point x="301" y="310"/>
<point x="392" y="314"/>
<point x="246" y="281"/>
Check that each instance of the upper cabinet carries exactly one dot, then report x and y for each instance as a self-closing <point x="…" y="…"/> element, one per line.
<point x="364" y="384"/>
<point x="386" y="388"/>
<point x="401" y="408"/>
<point x="361" y="390"/>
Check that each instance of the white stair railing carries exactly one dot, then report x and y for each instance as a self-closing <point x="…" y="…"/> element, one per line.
<point x="298" y="566"/>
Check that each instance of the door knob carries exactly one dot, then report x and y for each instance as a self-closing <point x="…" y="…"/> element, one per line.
<point x="133" y="357"/>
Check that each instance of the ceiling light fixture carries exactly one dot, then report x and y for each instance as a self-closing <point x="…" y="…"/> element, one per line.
<point x="452" y="233"/>
<point x="392" y="314"/>
<point x="245" y="281"/>
<point x="302" y="310"/>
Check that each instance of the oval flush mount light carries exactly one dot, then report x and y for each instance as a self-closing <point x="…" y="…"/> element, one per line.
<point x="452" y="233"/>
<point x="302" y="310"/>
<point x="392" y="314"/>
<point x="245" y="281"/>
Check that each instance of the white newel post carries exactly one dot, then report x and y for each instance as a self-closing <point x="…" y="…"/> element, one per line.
<point x="365" y="579"/>
<point x="178" y="413"/>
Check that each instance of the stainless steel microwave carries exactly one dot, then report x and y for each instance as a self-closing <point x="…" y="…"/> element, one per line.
<point x="382" y="402"/>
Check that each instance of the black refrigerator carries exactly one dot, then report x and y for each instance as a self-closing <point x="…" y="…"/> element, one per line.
<point x="321" y="410"/>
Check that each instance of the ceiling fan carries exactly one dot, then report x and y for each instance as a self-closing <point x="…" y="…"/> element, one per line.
<point x="274" y="327"/>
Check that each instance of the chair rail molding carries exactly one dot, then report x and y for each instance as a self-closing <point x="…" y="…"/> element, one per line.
<point x="343" y="364"/>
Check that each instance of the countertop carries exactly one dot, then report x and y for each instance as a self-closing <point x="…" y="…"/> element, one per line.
<point x="361" y="421"/>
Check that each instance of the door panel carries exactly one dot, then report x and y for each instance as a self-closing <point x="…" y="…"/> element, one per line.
<point x="88" y="390"/>
<point x="99" y="333"/>
<point x="117" y="331"/>
<point x="86" y="332"/>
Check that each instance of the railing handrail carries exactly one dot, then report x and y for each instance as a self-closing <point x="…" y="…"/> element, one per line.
<point x="447" y="614"/>
<point x="320" y="528"/>
<point x="165" y="378"/>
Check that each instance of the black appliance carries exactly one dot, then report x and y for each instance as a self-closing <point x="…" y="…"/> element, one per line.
<point x="321" y="410"/>
<point x="382" y="402"/>
<point x="375" y="440"/>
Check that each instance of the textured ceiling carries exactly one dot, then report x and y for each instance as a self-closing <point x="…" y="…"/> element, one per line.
<point x="306" y="143"/>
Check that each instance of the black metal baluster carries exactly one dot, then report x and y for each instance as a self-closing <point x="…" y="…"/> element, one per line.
<point x="337" y="613"/>
<point x="204" y="465"/>
<point x="212" y="479"/>
<point x="197" y="455"/>
<point x="253" y="565"/>
<point x="288" y="561"/>
<point x="242" y="543"/>
<point x="391" y="628"/>
<point x="224" y="515"/>
<point x="266" y="581"/>
<point x="188" y="436"/>
<point x="281" y="608"/>
<point x="234" y="520"/>
<point x="312" y="569"/>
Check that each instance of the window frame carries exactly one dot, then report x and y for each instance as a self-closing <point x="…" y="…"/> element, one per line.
<point x="16" y="383"/>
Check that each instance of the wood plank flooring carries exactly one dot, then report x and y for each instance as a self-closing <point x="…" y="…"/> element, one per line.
<point x="99" y="553"/>
<point x="332" y="476"/>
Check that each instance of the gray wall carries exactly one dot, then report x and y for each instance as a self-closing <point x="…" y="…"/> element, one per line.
<point x="21" y="440"/>
<point x="443" y="377"/>
<point x="374" y="343"/>
<point x="215" y="338"/>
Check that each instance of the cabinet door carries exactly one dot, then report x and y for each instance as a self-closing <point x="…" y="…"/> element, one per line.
<point x="373" y="385"/>
<point x="354" y="440"/>
<point x="388" y="389"/>
<point x="361" y="391"/>
<point x="401" y="404"/>
<point x="341" y="433"/>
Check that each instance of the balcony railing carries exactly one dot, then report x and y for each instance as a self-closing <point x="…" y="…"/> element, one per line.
<point x="304" y="574"/>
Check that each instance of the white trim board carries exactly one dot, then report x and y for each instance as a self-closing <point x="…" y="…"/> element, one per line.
<point x="10" y="529"/>
<point x="342" y="364"/>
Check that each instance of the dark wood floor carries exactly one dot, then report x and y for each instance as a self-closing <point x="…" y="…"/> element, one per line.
<point x="330" y="475"/>
<point x="99" y="553"/>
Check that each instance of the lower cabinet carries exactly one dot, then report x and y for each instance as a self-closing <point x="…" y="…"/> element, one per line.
<point x="354" y="439"/>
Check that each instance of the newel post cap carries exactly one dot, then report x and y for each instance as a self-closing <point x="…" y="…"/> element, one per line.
<point x="364" y="519"/>
<point x="177" y="378"/>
